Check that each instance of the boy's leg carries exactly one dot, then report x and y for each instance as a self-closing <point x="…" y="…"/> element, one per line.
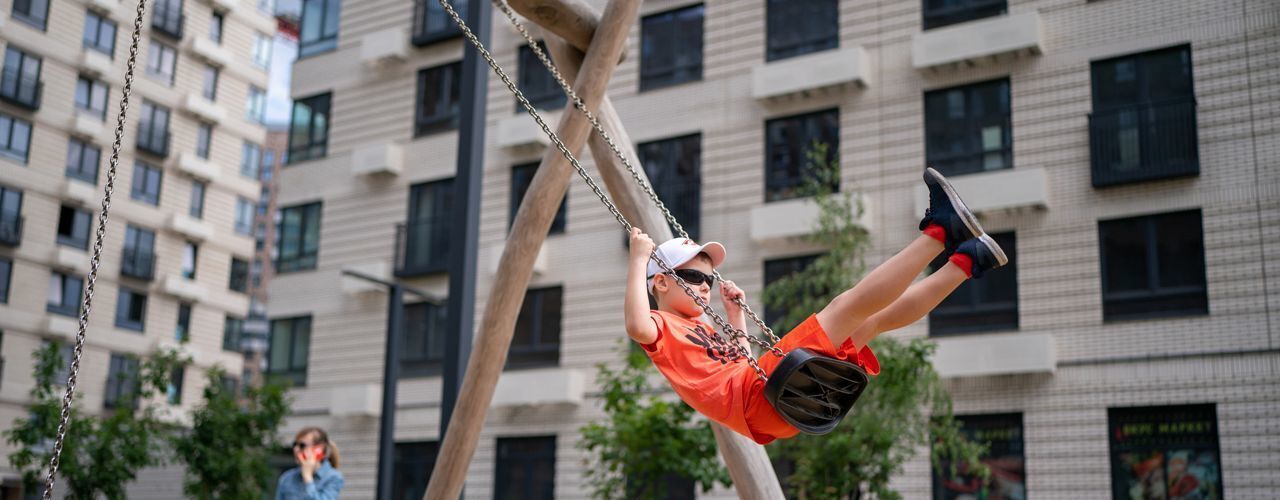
<point x="947" y="223"/>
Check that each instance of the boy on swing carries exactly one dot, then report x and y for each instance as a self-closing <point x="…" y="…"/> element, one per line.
<point x="709" y="373"/>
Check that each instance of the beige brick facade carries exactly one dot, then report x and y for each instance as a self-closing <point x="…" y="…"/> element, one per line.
<point x="1228" y="357"/>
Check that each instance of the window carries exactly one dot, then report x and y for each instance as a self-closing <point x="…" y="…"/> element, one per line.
<point x="521" y="177"/>
<point x="968" y="129"/>
<point x="671" y="48"/>
<point x="988" y="304"/>
<point x="239" y="276"/>
<point x="182" y="333"/>
<point x="777" y="269"/>
<point x="173" y="393"/>
<point x="413" y="466"/>
<point x="131" y="310"/>
<point x="432" y="24"/>
<point x="439" y="98"/>
<point x="232" y="332"/>
<point x="153" y="129"/>
<point x="63" y="370"/>
<point x="299" y="242"/>
<point x="1143" y="125"/>
<point x="215" y="28"/>
<point x="190" y="255"/>
<point x="10" y="216"/>
<point x="196" y="208"/>
<point x="99" y="33"/>
<point x="204" y="140"/>
<point x="939" y="13"/>
<point x="138" y="258"/>
<point x="20" y="82"/>
<point x="91" y="96"/>
<point x="674" y="168"/>
<point x="318" y="30"/>
<point x="261" y="50"/>
<point x="422" y="341"/>
<point x="122" y="382"/>
<point x="32" y="12"/>
<point x="146" y="184"/>
<point x="536" y="82"/>
<point x="73" y="227"/>
<point x="6" y="275"/>
<point x="537" y="337"/>
<point x="167" y="17"/>
<point x="250" y="160"/>
<point x="15" y="138"/>
<point x="209" y="84"/>
<point x="674" y="487"/>
<point x="82" y="161"/>
<point x="788" y="142"/>
<point x="799" y="27"/>
<point x="309" y="128"/>
<point x="268" y="162"/>
<point x="1153" y="266"/>
<point x="1005" y="457"/>
<point x="1165" y="452"/>
<point x="255" y="273"/>
<point x="526" y="468"/>
<point x="289" y="349"/>
<point x="64" y="294"/>
<point x="161" y="60"/>
<point x="256" y="109"/>
<point x="425" y="248"/>
<point x="244" y="216"/>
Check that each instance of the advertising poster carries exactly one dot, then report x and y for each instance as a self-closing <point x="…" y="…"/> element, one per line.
<point x="1003" y="434"/>
<point x="1165" y="453"/>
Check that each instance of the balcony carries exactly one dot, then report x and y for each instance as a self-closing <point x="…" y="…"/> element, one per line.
<point x="422" y="248"/>
<point x="10" y="229"/>
<point x="20" y="90"/>
<point x="183" y="288"/>
<point x="995" y="354"/>
<point x="94" y="63"/>
<point x="210" y="51"/>
<point x="783" y="221"/>
<point x="194" y="229"/>
<point x="812" y="72"/>
<point x="1009" y="190"/>
<point x="64" y="324"/>
<point x="363" y="400"/>
<point x="86" y="126"/>
<point x="224" y="6"/>
<point x="70" y="259"/>
<point x="431" y="24"/>
<point x="203" y="109"/>
<point x="1144" y="142"/>
<point x="168" y="19"/>
<point x="107" y="7"/>
<point x="381" y="158"/>
<point x="550" y="386"/>
<point x="195" y="166"/>
<point x="153" y="141"/>
<point x="520" y="131"/>
<point x="978" y="41"/>
<point x="80" y="193"/>
<point x="383" y="47"/>
<point x="138" y="263"/>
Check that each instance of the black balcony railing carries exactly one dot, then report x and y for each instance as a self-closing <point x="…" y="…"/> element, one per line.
<point x="20" y="90"/>
<point x="938" y="14"/>
<point x="138" y="263"/>
<point x="153" y="141"/>
<point x="431" y="24"/>
<point x="168" y="19"/>
<point x="10" y="229"/>
<point x="1144" y="142"/>
<point x="422" y="248"/>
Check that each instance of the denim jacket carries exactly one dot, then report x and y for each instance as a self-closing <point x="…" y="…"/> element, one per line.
<point x="325" y="484"/>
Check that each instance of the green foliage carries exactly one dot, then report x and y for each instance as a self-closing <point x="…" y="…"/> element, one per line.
<point x="101" y="454"/>
<point x="226" y="451"/>
<point x="646" y="437"/>
<point x="904" y="408"/>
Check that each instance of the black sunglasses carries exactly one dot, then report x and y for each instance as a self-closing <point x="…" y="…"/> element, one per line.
<point x="695" y="277"/>
<point x="300" y="444"/>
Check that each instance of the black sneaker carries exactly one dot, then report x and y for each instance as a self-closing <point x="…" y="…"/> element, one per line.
<point x="985" y="254"/>
<point x="947" y="210"/>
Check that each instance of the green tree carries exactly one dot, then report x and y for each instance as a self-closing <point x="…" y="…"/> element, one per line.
<point x="101" y="453"/>
<point x="904" y="408"/>
<point x="226" y="451"/>
<point x="645" y="437"/>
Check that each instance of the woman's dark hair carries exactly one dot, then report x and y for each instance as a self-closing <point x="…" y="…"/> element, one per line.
<point x="331" y="449"/>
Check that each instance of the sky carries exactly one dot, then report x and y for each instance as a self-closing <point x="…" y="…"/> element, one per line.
<point x="284" y="50"/>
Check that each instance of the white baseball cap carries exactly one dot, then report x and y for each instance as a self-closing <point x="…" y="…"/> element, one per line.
<point x="677" y="251"/>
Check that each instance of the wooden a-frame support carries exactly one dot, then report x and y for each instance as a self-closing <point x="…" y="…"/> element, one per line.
<point x="604" y="38"/>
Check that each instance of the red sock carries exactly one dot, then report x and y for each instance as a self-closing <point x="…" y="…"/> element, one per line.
<point x="964" y="262"/>
<point x="936" y="232"/>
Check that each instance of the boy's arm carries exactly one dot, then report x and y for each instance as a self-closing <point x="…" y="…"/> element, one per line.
<point x="734" y="314"/>
<point x="636" y="301"/>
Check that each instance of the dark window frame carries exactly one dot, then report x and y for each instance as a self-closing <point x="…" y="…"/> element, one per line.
<point x="776" y="269"/>
<point x="182" y="328"/>
<point x="968" y="153"/>
<point x="6" y="277"/>
<point x="8" y="143"/>
<point x="424" y="245"/>
<point x="173" y="392"/>
<point x="99" y="33"/>
<point x="507" y="457"/>
<point x="414" y="461"/>
<point x="77" y="232"/>
<point x="123" y="382"/>
<point x="965" y="10"/>
<point x="296" y="371"/>
<point x="38" y="21"/>
<point x="93" y="89"/>
<point x="209" y="82"/>
<point x="82" y="160"/>
<point x="422" y="340"/>
<point x="786" y="163"/>
<point x="521" y="178"/>
<point x="10" y="216"/>
<point x="674" y="169"/>
<point x="309" y="141"/>
<point x="980" y="313"/>
<point x="167" y="18"/>
<point x="662" y="67"/>
<point x="1138" y="430"/>
<point x="217" y="23"/>
<point x="325" y="39"/>
<point x="137" y="260"/>
<point x="129" y="303"/>
<point x="70" y="305"/>
<point x="1156" y="301"/>
<point x="153" y="129"/>
<point x="305" y="256"/>
<point x="239" y="280"/>
<point x="160" y="69"/>
<point x="536" y="82"/>
<point x="186" y="273"/>
<point x="147" y="182"/>
<point x="19" y="85"/>
<point x="204" y="140"/>
<point x="195" y="207"/>
<point x="232" y="333"/>
<point x="540" y="351"/>
<point x="432" y="24"/>
<point x="798" y="27"/>
<point x="445" y="83"/>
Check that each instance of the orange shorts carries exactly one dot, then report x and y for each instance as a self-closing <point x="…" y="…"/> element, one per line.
<point x="763" y="421"/>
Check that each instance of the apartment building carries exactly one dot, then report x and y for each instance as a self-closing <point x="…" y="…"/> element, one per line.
<point x="175" y="260"/>
<point x="1122" y="152"/>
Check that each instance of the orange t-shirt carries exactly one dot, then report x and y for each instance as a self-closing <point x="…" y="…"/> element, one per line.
<point x="702" y="367"/>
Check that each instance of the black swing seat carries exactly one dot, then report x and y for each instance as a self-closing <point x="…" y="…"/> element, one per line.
<point x="813" y="392"/>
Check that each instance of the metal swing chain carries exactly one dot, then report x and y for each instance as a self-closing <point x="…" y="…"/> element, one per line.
<point x="96" y="259"/>
<point x="635" y="174"/>
<point x="586" y="176"/>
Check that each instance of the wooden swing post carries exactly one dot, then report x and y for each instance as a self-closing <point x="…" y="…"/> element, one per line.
<point x="528" y="231"/>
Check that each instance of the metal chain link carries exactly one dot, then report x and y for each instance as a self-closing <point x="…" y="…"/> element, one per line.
<point x="96" y="260"/>
<point x="742" y="351"/>
<point x="617" y="151"/>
